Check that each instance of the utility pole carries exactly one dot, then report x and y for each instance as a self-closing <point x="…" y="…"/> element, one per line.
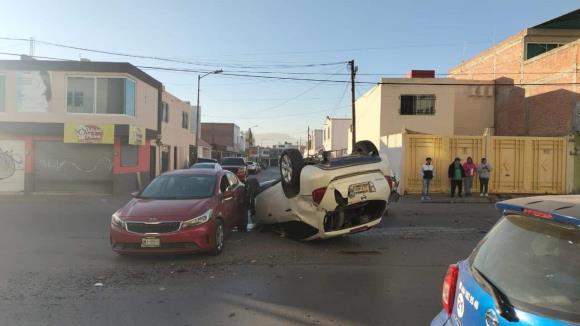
<point x="308" y="144"/>
<point x="353" y="70"/>
<point x="31" y="47"/>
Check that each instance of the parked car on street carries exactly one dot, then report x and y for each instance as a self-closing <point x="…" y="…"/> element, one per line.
<point x="206" y="160"/>
<point x="181" y="211"/>
<point x="237" y="165"/>
<point x="253" y="168"/>
<point x="525" y="271"/>
<point x="212" y="166"/>
<point x="317" y="199"/>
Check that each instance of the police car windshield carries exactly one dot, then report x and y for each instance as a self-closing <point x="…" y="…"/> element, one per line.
<point x="535" y="263"/>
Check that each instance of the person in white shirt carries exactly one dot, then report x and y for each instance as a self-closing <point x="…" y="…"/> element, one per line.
<point x="427" y="173"/>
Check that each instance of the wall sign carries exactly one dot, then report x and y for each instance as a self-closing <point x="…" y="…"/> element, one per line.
<point x="136" y="135"/>
<point x="90" y="133"/>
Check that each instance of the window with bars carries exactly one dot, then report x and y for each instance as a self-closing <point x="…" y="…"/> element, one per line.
<point x="417" y="105"/>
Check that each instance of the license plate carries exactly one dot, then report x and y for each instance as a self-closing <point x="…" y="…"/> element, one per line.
<point x="150" y="243"/>
<point x="360" y="188"/>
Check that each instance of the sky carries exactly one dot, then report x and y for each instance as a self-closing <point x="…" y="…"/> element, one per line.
<point x="255" y="36"/>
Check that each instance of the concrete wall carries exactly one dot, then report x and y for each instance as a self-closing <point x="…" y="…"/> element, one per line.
<point x="338" y="134"/>
<point x="473" y="109"/>
<point x="392" y="149"/>
<point x="368" y="116"/>
<point x="146" y="102"/>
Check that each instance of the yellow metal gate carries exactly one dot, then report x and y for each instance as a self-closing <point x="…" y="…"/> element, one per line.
<point x="520" y="164"/>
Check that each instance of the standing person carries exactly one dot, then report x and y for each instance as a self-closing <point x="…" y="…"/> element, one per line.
<point x="427" y="173"/>
<point x="484" y="171"/>
<point x="469" y="167"/>
<point x="456" y="174"/>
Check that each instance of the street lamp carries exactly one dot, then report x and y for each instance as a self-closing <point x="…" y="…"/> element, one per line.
<point x="198" y="127"/>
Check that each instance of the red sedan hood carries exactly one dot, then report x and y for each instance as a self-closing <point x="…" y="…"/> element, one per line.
<point x="164" y="210"/>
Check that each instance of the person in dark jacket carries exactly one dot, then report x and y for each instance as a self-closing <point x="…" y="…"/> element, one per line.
<point x="456" y="175"/>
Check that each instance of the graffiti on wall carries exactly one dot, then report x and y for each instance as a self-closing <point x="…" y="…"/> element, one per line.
<point x="8" y="163"/>
<point x="103" y="162"/>
<point x="11" y="166"/>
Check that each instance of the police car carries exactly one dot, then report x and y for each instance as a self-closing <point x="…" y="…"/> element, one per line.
<point x="525" y="271"/>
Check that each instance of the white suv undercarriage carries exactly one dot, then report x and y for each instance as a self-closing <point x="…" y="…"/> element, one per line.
<point x="319" y="199"/>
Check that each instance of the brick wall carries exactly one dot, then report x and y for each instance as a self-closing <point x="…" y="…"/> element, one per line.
<point x="531" y="110"/>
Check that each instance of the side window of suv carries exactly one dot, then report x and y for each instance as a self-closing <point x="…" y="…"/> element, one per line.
<point x="224" y="183"/>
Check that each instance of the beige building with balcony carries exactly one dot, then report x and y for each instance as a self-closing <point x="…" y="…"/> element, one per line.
<point x="439" y="106"/>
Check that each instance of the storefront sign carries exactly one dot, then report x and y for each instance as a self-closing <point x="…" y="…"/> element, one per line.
<point x="136" y="135"/>
<point x="89" y="133"/>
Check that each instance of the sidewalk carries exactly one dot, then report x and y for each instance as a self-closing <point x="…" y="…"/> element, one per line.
<point x="446" y="199"/>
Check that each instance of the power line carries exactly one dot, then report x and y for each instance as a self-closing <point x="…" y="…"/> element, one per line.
<point x="218" y="64"/>
<point x="225" y="73"/>
<point x="282" y="103"/>
<point x="196" y="63"/>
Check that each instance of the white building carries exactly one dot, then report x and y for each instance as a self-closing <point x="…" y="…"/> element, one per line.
<point x="316" y="144"/>
<point x="335" y="133"/>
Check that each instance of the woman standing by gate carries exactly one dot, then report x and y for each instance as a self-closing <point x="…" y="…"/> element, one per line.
<point x="469" y="167"/>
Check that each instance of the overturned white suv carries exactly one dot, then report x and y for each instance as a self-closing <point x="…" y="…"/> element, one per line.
<point x="325" y="198"/>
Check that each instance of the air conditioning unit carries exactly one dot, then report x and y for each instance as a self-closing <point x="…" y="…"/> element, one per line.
<point x="473" y="91"/>
<point x="489" y="91"/>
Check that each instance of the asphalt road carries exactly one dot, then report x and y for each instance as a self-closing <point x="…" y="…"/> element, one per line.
<point x="55" y="249"/>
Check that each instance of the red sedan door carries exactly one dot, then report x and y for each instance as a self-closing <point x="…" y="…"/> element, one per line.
<point x="239" y="195"/>
<point x="227" y="202"/>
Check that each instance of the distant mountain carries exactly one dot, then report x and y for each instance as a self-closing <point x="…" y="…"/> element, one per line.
<point x="273" y="138"/>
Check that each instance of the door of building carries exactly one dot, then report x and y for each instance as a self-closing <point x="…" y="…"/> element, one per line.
<point x="164" y="160"/>
<point x="152" y="162"/>
<point x="61" y="167"/>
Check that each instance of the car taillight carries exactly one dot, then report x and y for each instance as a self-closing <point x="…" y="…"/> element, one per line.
<point x="538" y="213"/>
<point x="449" y="287"/>
<point x="318" y="194"/>
<point x="389" y="181"/>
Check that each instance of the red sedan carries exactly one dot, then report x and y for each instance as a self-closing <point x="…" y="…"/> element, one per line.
<point x="181" y="212"/>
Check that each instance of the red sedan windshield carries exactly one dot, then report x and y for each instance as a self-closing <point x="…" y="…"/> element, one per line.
<point x="180" y="187"/>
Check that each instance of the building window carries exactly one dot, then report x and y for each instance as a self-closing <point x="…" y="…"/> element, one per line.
<point x="2" y="92"/>
<point x="165" y="112"/>
<point x="185" y="121"/>
<point x="535" y="49"/>
<point x="417" y="104"/>
<point x="100" y="95"/>
<point x="129" y="155"/>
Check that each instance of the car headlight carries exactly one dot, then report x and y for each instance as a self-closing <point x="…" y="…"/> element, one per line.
<point x="117" y="222"/>
<point x="198" y="220"/>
